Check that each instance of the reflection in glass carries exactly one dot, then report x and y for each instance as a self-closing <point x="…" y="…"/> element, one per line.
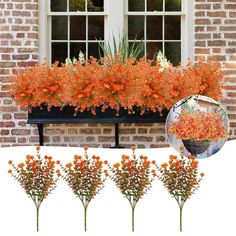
<point x="58" y="5"/>
<point x="155" y="5"/>
<point x="173" y="5"/>
<point x="93" y="50"/>
<point x="173" y="52"/>
<point x="95" y="27"/>
<point x="95" y="5"/>
<point x="77" y="5"/>
<point x="77" y="27"/>
<point x="136" y="27"/>
<point x="154" y="27"/>
<point x="172" y="27"/>
<point x="59" y="27"/>
<point x="136" y="5"/>
<point x="75" y="49"/>
<point x="59" y="52"/>
<point x="153" y="48"/>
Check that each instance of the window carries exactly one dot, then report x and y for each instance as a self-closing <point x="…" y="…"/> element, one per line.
<point x="75" y="25"/>
<point x="71" y="26"/>
<point x="158" y="24"/>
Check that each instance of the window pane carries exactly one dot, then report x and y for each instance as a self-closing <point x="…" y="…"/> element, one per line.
<point x="93" y="50"/>
<point x="172" y="27"/>
<point x="58" y="5"/>
<point x="155" y="5"/>
<point x="75" y="49"/>
<point x="136" y="27"/>
<point x="153" y="48"/>
<point x="136" y="5"/>
<point x="59" y="52"/>
<point x="77" y="27"/>
<point x="173" y="52"/>
<point x="59" y="27"/>
<point x="173" y="5"/>
<point x="77" y="5"/>
<point x="154" y="27"/>
<point x="95" y="5"/>
<point x="95" y="27"/>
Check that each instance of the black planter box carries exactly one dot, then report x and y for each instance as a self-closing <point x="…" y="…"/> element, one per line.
<point x="41" y="115"/>
<point x="66" y="116"/>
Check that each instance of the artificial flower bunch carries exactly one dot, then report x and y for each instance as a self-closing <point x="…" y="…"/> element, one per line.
<point x="199" y="126"/>
<point x="38" y="176"/>
<point x="144" y="84"/>
<point x="181" y="178"/>
<point x="133" y="176"/>
<point x="85" y="176"/>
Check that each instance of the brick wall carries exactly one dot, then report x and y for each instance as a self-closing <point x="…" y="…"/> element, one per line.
<point x="215" y="36"/>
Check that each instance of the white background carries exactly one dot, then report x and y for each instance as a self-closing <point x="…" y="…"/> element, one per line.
<point x="211" y="211"/>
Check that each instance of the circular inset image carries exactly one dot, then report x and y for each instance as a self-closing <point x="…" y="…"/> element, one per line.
<point x="198" y="126"/>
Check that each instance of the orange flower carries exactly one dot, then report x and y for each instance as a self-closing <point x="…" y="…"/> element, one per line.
<point x="85" y="148"/>
<point x="10" y="162"/>
<point x="202" y="174"/>
<point x="21" y="165"/>
<point x="58" y="162"/>
<point x="164" y="165"/>
<point x="133" y="148"/>
<point x="116" y="165"/>
<point x="10" y="171"/>
<point x="153" y="162"/>
<point x="69" y="165"/>
<point x="105" y="162"/>
<point x="38" y="148"/>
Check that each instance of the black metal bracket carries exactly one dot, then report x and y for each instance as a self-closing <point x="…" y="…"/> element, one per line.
<point x="40" y="130"/>
<point x="117" y="137"/>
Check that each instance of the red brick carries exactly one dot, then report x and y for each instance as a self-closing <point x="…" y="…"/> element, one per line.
<point x="4" y="132"/>
<point x="142" y="139"/>
<point x="217" y="43"/>
<point x="20" y="131"/>
<point x="6" y="124"/>
<point x="106" y="139"/>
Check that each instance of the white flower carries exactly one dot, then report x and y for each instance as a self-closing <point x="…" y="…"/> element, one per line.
<point x="163" y="61"/>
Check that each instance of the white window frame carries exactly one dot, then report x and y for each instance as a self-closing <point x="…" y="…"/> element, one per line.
<point x="115" y="22"/>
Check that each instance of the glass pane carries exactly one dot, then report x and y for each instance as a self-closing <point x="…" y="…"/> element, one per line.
<point x="155" y="5"/>
<point x="77" y="27"/>
<point x="77" y="5"/>
<point x="93" y="50"/>
<point x="172" y="27"/>
<point x="136" y="5"/>
<point x="141" y="54"/>
<point x="154" y="27"/>
<point x="95" y="27"/>
<point x="75" y="49"/>
<point x="153" y="48"/>
<point x="59" y="52"/>
<point x="58" y="5"/>
<point x="59" y="27"/>
<point x="173" y="5"/>
<point x="136" y="27"/>
<point x="95" y="5"/>
<point x="173" y="52"/>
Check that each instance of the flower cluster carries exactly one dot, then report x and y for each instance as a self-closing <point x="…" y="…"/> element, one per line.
<point x="86" y="177"/>
<point x="133" y="176"/>
<point x="198" y="126"/>
<point x="135" y="83"/>
<point x="37" y="176"/>
<point x="181" y="179"/>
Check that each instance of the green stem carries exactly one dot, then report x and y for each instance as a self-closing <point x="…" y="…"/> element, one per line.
<point x="133" y="218"/>
<point x="85" y="219"/>
<point x="37" y="217"/>
<point x="180" y="218"/>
